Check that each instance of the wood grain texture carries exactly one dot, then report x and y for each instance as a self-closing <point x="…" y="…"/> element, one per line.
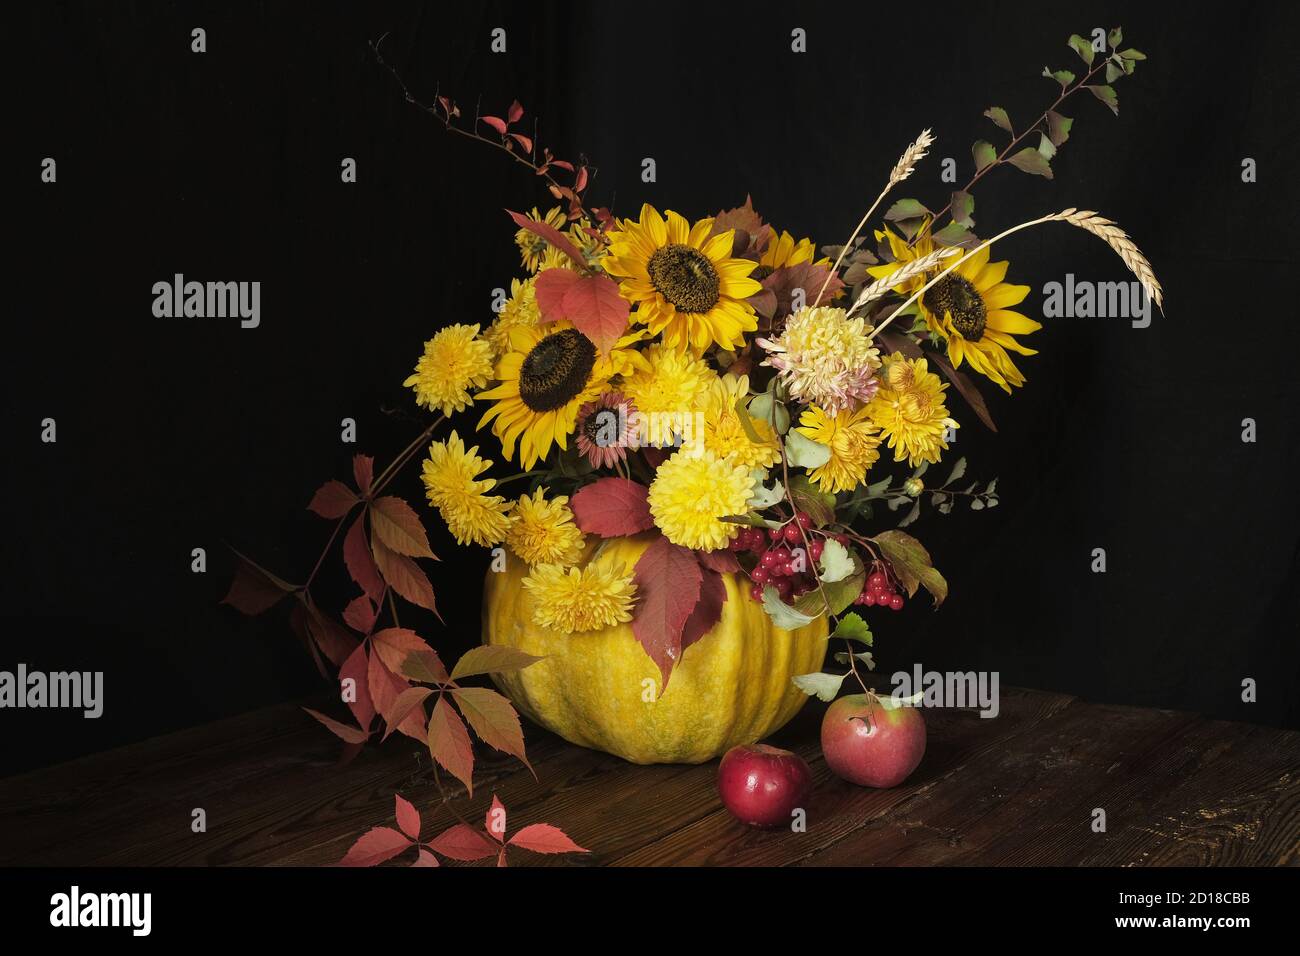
<point x="1020" y="789"/>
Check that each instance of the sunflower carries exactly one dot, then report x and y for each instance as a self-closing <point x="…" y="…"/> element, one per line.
<point x="580" y="599"/>
<point x="543" y="531"/>
<point x="451" y="482"/>
<point x="549" y="373"/>
<point x="691" y="494"/>
<point x="784" y="250"/>
<point x="532" y="247"/>
<point x="454" y="360"/>
<point x="684" y="283"/>
<point x="724" y="432"/>
<point x="969" y="308"/>
<point x="909" y="410"/>
<point x="520" y="309"/>
<point x="853" y="439"/>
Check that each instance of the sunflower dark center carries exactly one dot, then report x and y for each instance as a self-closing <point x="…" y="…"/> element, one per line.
<point x="685" y="277"/>
<point x="761" y="273"/>
<point x="555" y="370"/>
<point x="958" y="297"/>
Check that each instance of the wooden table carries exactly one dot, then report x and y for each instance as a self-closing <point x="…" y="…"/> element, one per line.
<point x="1018" y="789"/>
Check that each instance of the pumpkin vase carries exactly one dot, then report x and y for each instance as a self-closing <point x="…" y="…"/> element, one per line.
<point x="600" y="689"/>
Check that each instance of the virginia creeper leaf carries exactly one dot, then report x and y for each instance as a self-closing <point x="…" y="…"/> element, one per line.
<point x="668" y="581"/>
<point x="449" y="743"/>
<point x="612" y="507"/>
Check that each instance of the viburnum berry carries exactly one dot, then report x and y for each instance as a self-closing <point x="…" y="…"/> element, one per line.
<point x="791" y="533"/>
<point x="776" y="534"/>
<point x="756" y="592"/>
<point x="867" y="598"/>
<point x="896" y="602"/>
<point x="841" y="538"/>
<point x="803" y="519"/>
<point x="770" y="558"/>
<point x="760" y="575"/>
<point x="815" y="548"/>
<point x="783" y="587"/>
<point x="877" y="581"/>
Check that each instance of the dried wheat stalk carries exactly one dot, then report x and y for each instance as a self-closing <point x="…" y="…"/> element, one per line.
<point x="1115" y="237"/>
<point x="909" y="270"/>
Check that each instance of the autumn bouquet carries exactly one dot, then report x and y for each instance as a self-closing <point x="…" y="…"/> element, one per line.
<point x="691" y="445"/>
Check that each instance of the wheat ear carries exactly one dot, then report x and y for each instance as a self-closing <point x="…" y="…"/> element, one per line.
<point x="1099" y="226"/>
<point x="902" y="169"/>
<point x="908" y="270"/>
<point x="1115" y="237"/>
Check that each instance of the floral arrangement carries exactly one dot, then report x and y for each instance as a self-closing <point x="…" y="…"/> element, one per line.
<point x="757" y="405"/>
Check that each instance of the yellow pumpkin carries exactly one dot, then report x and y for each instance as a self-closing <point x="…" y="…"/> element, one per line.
<point x="730" y="687"/>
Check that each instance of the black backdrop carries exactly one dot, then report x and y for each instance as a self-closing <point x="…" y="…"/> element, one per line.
<point x="183" y="433"/>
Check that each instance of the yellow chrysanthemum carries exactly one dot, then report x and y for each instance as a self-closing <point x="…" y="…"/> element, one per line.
<point x="580" y="599"/>
<point x="724" y="432"/>
<point x="451" y="482"/>
<point x="549" y="373"/>
<point x="454" y="361"/>
<point x="692" y="492"/>
<point x="520" y="309"/>
<point x="825" y="358"/>
<point x="667" y="392"/>
<point x="543" y="531"/>
<point x="969" y="308"/>
<point x="909" y="410"/>
<point x="853" y="440"/>
<point x="532" y="247"/>
<point x="684" y="283"/>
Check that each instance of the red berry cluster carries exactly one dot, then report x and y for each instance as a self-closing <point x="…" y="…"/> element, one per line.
<point x="776" y="564"/>
<point x="880" y="592"/>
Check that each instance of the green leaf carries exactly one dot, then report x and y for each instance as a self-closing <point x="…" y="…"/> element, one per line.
<point x="805" y="496"/>
<point x="820" y="685"/>
<point x="1064" y="77"/>
<point x="840" y="594"/>
<point x="752" y="519"/>
<point x="906" y="209"/>
<point x="1114" y="72"/>
<point x="963" y="209"/>
<point x="999" y="117"/>
<point x="853" y="628"/>
<point x="984" y="153"/>
<point x="1107" y="95"/>
<point x="911" y="562"/>
<point x="1115" y="37"/>
<point x="491" y="659"/>
<point x="1046" y="146"/>
<point x="836" y="562"/>
<point x="1131" y="54"/>
<point x="955" y="234"/>
<point x="864" y="656"/>
<point x="1030" y="160"/>
<point x="958" y="470"/>
<point x="1058" y="127"/>
<point x="763" y="496"/>
<point x="761" y="407"/>
<point x="803" y="452"/>
<point x="1082" y="47"/>
<point x="742" y="413"/>
<point x="782" y="614"/>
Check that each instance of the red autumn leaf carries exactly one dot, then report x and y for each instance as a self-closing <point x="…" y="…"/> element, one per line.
<point x="449" y="743"/>
<point x="563" y="164"/>
<point x="708" y="609"/>
<point x="425" y="667"/>
<point x="408" y="818"/>
<point x="378" y="845"/>
<point x="496" y="122"/>
<point x="360" y="564"/>
<point x="491" y="659"/>
<point x="597" y="310"/>
<point x="332" y="500"/>
<point x="550" y="234"/>
<point x="357" y="669"/>
<point x="612" y="507"/>
<point x="385" y="690"/>
<point x="544" y="838"/>
<point x="495" y="822"/>
<point x="393" y="644"/>
<point x="399" y="527"/>
<point x="404" y="576"/>
<point x="254" y="589"/>
<point x="493" y="719"/>
<point x="501" y="858"/>
<point x="668" y="583"/>
<point x="375" y="847"/>
<point x="363" y="472"/>
<point x="330" y="636"/>
<point x="463" y="843"/>
<point x="807" y="277"/>
<point x="425" y="859"/>
<point x="723" y="561"/>
<point x="523" y="141"/>
<point x="403" y="705"/>
<point x="351" y="735"/>
<point x="360" y="615"/>
<point x="298" y="624"/>
<point x="551" y="286"/>
<point x="515" y="112"/>
<point x="580" y="182"/>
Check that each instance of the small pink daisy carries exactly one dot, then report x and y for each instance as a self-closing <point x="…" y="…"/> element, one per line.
<point x="606" y="429"/>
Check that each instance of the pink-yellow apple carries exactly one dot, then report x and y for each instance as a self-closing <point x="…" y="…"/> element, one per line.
<point x="763" y="785"/>
<point x="874" y="743"/>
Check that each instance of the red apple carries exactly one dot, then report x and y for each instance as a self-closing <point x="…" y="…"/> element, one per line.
<point x="763" y="785"/>
<point x="873" y="744"/>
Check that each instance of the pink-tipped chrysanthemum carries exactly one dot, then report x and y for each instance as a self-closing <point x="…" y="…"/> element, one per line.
<point x="606" y="429"/>
<point x="826" y="359"/>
